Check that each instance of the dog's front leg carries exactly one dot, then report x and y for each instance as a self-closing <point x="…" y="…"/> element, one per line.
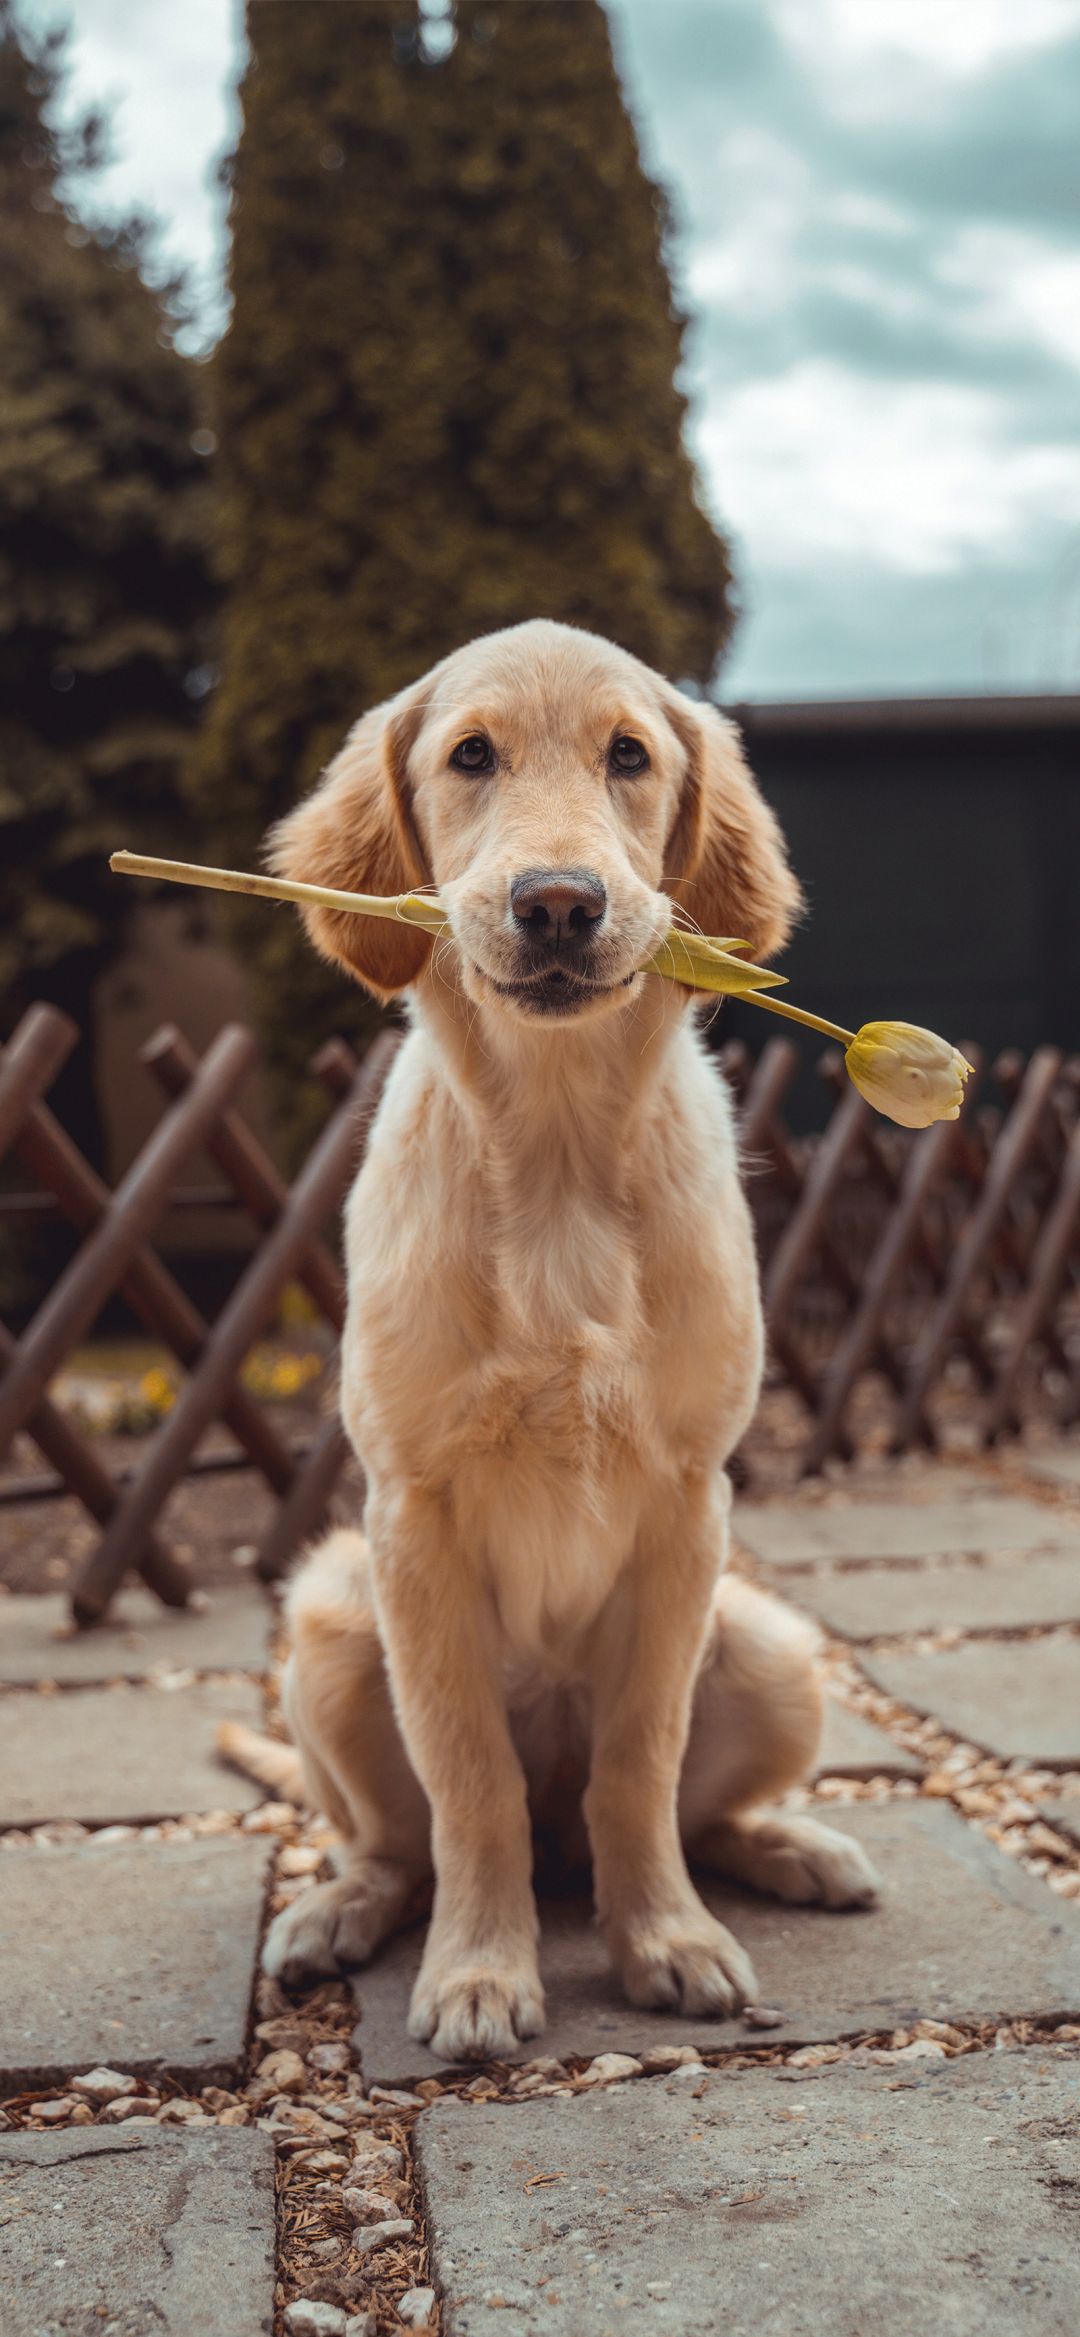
<point x="665" y="1945"/>
<point x="478" y="1990"/>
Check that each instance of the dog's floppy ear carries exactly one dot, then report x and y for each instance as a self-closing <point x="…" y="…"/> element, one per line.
<point x="726" y="862"/>
<point x="356" y="833"/>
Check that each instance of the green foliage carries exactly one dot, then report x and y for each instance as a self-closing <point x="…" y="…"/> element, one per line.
<point x="104" y="586"/>
<point x="446" y="402"/>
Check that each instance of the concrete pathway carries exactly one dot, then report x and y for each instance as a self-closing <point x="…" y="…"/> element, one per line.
<point x="891" y="2143"/>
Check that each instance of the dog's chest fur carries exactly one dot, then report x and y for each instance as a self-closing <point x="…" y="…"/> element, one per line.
<point x="529" y="1339"/>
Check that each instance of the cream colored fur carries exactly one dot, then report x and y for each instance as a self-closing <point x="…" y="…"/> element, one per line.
<point x="553" y="1343"/>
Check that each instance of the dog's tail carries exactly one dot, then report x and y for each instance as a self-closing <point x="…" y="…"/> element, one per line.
<point x="265" y="1759"/>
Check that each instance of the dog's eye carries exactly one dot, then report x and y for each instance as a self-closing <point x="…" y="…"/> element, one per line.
<point x="474" y="754"/>
<point x="627" y="756"/>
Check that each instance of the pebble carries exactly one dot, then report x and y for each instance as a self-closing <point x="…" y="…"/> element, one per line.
<point x="360" y="2325"/>
<point x="610" y="2069"/>
<point x="103" y="2085"/>
<point x="295" y="1859"/>
<point x="306" y="2318"/>
<point x="291" y="2118"/>
<point x="377" y="2235"/>
<point x="325" y="2251"/>
<point x="284" y="2029"/>
<point x="272" y="1817"/>
<point x="52" y="2112"/>
<point x="395" y="2099"/>
<point x="942" y="2030"/>
<point x="688" y="2073"/>
<point x="282" y="2072"/>
<point x="763" y="2016"/>
<point x="366" y="2206"/>
<point x="330" y="2059"/>
<point x="657" y="2058"/>
<point x="415" y="2308"/>
<point x="374" y="2162"/>
<point x="130" y="2106"/>
<point x="184" y="2113"/>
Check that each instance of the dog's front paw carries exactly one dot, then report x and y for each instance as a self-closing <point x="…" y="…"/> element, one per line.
<point x="477" y="2012"/>
<point x="333" y="1926"/>
<point x="687" y="1962"/>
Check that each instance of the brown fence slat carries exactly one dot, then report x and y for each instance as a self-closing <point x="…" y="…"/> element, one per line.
<point x="94" y="1272"/>
<point x="146" y="1284"/>
<point x="317" y="1190"/>
<point x="251" y="1174"/>
<point x="1006" y="1162"/>
<point x="81" y="1473"/>
<point x="305" y="1507"/>
<point x="30" y="1061"/>
<point x="926" y="1167"/>
<point x="1048" y="1266"/>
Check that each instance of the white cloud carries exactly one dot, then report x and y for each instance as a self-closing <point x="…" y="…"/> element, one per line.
<point x="166" y="76"/>
<point x="955" y="36"/>
<point x="819" y="465"/>
<point x="760" y="189"/>
<point x="1017" y="288"/>
<point x="887" y="60"/>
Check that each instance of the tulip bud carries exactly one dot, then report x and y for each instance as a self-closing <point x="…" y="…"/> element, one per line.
<point x="909" y="1074"/>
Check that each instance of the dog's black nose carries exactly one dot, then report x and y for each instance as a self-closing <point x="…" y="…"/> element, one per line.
<point x="558" y="905"/>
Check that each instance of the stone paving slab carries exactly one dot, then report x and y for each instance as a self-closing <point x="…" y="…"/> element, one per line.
<point x="129" y="2231"/>
<point x="141" y="1636"/>
<point x="761" y="2208"/>
<point x="139" y="1955"/>
<point x="852" y="1746"/>
<point x="963" y="1933"/>
<point x="997" y="1593"/>
<point x="862" y="1532"/>
<point x="129" y="1753"/>
<point x="1059" y="1466"/>
<point x="1018" y="1698"/>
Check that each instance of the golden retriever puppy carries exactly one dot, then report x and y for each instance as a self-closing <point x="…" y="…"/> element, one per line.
<point x="554" y="1341"/>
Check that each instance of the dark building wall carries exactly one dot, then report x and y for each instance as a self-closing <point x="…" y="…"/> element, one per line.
<point x="939" y="845"/>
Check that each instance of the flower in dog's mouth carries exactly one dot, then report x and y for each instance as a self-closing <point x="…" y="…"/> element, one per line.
<point x="911" y="1075"/>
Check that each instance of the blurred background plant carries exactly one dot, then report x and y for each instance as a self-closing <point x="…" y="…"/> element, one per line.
<point x="106" y="603"/>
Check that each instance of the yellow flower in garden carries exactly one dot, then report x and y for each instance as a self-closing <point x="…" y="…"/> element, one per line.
<point x="157" y="1390"/>
<point x="909" y="1074"/>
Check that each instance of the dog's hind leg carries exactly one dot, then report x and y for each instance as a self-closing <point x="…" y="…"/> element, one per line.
<point x="340" y="1715"/>
<point x="755" y="1732"/>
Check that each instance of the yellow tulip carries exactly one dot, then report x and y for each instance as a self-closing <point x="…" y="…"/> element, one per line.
<point x="909" y="1074"/>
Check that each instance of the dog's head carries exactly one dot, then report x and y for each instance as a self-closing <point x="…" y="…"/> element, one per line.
<point x="559" y="796"/>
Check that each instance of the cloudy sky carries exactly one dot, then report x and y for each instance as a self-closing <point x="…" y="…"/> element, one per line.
<point x="879" y="241"/>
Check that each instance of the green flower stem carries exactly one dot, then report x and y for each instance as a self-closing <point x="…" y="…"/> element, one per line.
<point x="813" y="1022"/>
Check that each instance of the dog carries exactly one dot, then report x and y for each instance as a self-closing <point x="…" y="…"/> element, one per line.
<point x="553" y="1344"/>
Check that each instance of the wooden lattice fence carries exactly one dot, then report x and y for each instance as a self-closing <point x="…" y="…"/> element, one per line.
<point x="939" y="1262"/>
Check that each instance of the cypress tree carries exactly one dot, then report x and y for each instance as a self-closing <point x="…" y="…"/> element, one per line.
<point x="446" y="402"/>
<point x="104" y="582"/>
